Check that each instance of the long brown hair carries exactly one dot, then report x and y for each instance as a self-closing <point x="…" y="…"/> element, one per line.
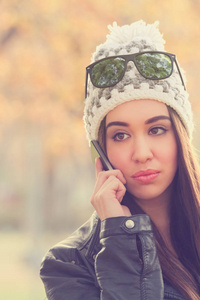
<point x="183" y="270"/>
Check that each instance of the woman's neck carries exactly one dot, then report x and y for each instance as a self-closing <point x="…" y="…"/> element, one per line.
<point x="159" y="211"/>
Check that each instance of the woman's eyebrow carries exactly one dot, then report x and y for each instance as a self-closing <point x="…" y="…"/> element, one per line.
<point x="117" y="123"/>
<point x="149" y="121"/>
<point x="157" y="118"/>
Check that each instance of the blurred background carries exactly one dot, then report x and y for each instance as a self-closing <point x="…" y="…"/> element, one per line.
<point x="46" y="174"/>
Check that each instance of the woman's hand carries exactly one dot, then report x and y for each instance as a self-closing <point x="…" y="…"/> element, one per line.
<point x="108" y="193"/>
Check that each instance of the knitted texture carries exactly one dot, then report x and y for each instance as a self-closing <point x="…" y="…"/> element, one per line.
<point x="129" y="39"/>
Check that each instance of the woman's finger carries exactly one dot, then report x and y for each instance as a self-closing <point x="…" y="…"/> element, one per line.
<point x="108" y="192"/>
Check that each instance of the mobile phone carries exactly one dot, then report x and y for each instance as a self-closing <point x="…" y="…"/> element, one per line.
<point x="96" y="151"/>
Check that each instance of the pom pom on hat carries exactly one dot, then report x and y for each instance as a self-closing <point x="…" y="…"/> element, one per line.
<point x="136" y="31"/>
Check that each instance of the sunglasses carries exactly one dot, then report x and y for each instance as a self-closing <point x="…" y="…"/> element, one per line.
<point x="154" y="65"/>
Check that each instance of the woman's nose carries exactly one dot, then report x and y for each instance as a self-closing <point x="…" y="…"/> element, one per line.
<point x="142" y="151"/>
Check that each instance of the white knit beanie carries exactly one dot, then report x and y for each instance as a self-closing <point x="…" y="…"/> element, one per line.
<point x="129" y="39"/>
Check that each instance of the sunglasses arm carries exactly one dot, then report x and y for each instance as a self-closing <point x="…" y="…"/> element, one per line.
<point x="86" y="81"/>
<point x="180" y="74"/>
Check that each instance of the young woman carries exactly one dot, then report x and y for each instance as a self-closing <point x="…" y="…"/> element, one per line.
<point x="143" y="240"/>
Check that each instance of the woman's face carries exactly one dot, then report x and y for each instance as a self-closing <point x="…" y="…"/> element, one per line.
<point x="141" y="143"/>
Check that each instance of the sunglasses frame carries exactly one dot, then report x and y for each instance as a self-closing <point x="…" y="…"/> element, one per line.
<point x="131" y="57"/>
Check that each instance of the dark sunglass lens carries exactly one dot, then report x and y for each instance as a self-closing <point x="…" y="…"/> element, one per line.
<point x="108" y="72"/>
<point x="154" y="65"/>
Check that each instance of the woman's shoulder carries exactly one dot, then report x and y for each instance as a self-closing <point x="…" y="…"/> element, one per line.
<point x="77" y="241"/>
<point x="69" y="260"/>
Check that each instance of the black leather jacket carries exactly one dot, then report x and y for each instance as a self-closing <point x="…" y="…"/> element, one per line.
<point x="111" y="260"/>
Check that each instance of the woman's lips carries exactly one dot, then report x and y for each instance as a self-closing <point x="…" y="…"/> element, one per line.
<point x="146" y="176"/>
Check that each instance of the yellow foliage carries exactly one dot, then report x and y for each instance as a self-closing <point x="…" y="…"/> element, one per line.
<point x="45" y="47"/>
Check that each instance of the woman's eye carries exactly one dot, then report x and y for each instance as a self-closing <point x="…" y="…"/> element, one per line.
<point x="157" y="131"/>
<point x="120" y="136"/>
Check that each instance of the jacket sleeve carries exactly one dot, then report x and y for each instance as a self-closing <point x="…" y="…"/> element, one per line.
<point x="66" y="278"/>
<point x="127" y="267"/>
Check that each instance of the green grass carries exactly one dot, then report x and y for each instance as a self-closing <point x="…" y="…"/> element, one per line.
<point x="19" y="293"/>
<point x="20" y="259"/>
